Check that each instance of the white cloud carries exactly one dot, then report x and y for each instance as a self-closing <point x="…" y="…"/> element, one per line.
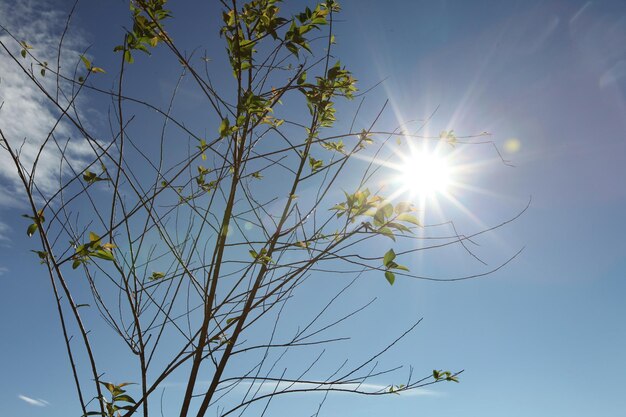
<point x="4" y="232"/>
<point x="32" y="401"/>
<point x="613" y="74"/>
<point x="3" y="270"/>
<point x="27" y="116"/>
<point x="269" y="387"/>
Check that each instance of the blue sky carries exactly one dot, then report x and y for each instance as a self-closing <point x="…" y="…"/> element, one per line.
<point x="543" y="337"/>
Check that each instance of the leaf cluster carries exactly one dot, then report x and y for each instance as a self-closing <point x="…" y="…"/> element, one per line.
<point x="92" y="249"/>
<point x="120" y="401"/>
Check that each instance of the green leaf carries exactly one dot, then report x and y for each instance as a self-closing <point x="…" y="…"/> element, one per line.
<point x="103" y="254"/>
<point x="399" y="226"/>
<point x="302" y="78"/>
<point x="389" y="256"/>
<point x="403" y="207"/>
<point x="387" y="210"/>
<point x="315" y="164"/>
<point x="224" y="127"/>
<point x="23" y="53"/>
<point x="31" y="229"/>
<point x="383" y="213"/>
<point x="409" y="218"/>
<point x="126" y="407"/>
<point x="387" y="232"/>
<point x="128" y="57"/>
<point x="76" y="263"/>
<point x="93" y="237"/>
<point x="390" y="276"/>
<point x="125" y="398"/>
<point x="91" y="177"/>
<point x="156" y="275"/>
<point x="109" y="386"/>
<point x="292" y="48"/>
<point x="86" y="62"/>
<point x="42" y="255"/>
<point x="232" y="319"/>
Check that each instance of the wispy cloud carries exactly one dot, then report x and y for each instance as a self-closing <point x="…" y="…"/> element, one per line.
<point x="3" y="270"/>
<point x="269" y="387"/>
<point x="4" y="232"/>
<point x="613" y="74"/>
<point x="32" y="401"/>
<point x="27" y="116"/>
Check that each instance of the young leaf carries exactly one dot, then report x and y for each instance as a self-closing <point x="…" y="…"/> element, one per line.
<point x="385" y="231"/>
<point x="42" y="255"/>
<point x="302" y="78"/>
<point x="86" y="62"/>
<point x="31" y="229"/>
<point x="124" y="397"/>
<point x="103" y="254"/>
<point x="156" y="275"/>
<point x="128" y="57"/>
<point x="399" y="226"/>
<point x="403" y="207"/>
<point x="224" y="128"/>
<point x="315" y="164"/>
<point x="409" y="218"/>
<point x="389" y="256"/>
<point x="390" y="276"/>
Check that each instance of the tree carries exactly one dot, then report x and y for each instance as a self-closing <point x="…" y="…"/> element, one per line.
<point x="191" y="249"/>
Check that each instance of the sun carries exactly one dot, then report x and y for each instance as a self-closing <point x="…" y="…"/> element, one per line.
<point x="425" y="173"/>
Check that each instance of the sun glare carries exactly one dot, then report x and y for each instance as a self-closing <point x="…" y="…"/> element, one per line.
<point x="425" y="174"/>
